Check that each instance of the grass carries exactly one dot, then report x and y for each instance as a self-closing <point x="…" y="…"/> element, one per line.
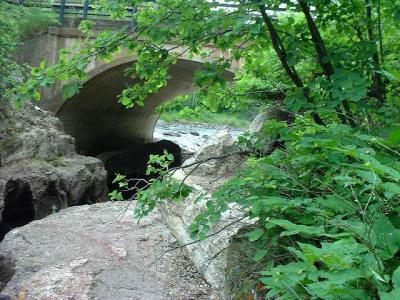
<point x="34" y="20"/>
<point x="228" y="119"/>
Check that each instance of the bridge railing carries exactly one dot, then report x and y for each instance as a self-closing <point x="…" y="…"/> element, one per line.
<point x="78" y="9"/>
<point x="83" y="9"/>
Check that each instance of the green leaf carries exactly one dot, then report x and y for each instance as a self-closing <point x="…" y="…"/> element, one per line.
<point x="119" y="178"/>
<point x="385" y="237"/>
<point x="70" y="89"/>
<point x="348" y="85"/>
<point x="394" y="137"/>
<point x="396" y="278"/>
<point x="369" y="177"/>
<point x="391" y="189"/>
<point x="293" y="229"/>
<point x="36" y="96"/>
<point x="260" y="254"/>
<point x="255" y="234"/>
<point x="393" y="295"/>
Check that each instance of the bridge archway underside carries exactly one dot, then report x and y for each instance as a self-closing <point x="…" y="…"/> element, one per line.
<point x="99" y="123"/>
<point x="94" y="117"/>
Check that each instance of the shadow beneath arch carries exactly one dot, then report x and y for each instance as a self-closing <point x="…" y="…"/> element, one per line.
<point x="18" y="207"/>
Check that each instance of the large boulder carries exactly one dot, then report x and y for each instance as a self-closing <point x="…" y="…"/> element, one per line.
<point x="220" y="144"/>
<point x="96" y="252"/>
<point x="272" y="114"/>
<point x="209" y="255"/>
<point x="40" y="173"/>
<point x="265" y="143"/>
<point x="31" y="133"/>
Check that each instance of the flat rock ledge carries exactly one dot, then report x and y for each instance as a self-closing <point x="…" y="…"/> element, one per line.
<point x="96" y="252"/>
<point x="210" y="256"/>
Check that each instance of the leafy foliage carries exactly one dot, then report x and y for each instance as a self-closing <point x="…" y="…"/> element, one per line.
<point x="163" y="186"/>
<point x="329" y="200"/>
<point x="326" y="202"/>
<point x="16" y="23"/>
<point x="9" y="70"/>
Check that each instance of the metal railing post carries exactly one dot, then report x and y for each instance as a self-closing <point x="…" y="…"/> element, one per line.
<point x="62" y="12"/>
<point x="133" y="24"/>
<point x="85" y="9"/>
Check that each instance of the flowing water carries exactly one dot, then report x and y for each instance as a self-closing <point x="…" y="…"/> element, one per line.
<point x="190" y="136"/>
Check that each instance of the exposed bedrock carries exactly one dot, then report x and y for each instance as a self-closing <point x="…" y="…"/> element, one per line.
<point x="271" y="114"/>
<point x="210" y="255"/>
<point x="217" y="256"/>
<point x="40" y="173"/>
<point x="96" y="252"/>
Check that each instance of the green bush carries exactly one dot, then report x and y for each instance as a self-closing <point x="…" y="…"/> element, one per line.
<point x="16" y="23"/>
<point x="328" y="204"/>
<point x="35" y="20"/>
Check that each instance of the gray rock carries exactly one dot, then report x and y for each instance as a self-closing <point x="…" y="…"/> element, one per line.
<point x="209" y="256"/>
<point x="260" y="119"/>
<point x="31" y="133"/>
<point x="221" y="143"/>
<point x="96" y="252"/>
<point x="267" y="143"/>
<point x="40" y="173"/>
<point x="170" y="133"/>
<point x="32" y="189"/>
<point x="83" y="178"/>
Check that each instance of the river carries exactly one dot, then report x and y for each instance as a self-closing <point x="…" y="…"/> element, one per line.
<point x="190" y="136"/>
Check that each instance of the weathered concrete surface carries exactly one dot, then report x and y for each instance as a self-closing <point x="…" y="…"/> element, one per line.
<point x="209" y="255"/>
<point x="94" y="117"/>
<point x="99" y="123"/>
<point x="96" y="252"/>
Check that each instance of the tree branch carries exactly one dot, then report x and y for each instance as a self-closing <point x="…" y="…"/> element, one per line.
<point x="198" y="240"/>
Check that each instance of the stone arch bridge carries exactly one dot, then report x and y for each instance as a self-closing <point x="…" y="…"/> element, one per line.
<point x="94" y="117"/>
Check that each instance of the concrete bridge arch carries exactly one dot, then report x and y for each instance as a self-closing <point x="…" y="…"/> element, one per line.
<point x="94" y="117"/>
<point x="99" y="123"/>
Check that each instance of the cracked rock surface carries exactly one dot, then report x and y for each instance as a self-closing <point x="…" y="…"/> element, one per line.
<point x="96" y="252"/>
<point x="209" y="255"/>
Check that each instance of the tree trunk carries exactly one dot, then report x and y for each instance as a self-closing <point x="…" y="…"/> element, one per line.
<point x="379" y="89"/>
<point x="281" y="52"/>
<point x="324" y="62"/>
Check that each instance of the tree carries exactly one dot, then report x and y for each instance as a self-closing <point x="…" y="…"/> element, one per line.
<point x="327" y="201"/>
